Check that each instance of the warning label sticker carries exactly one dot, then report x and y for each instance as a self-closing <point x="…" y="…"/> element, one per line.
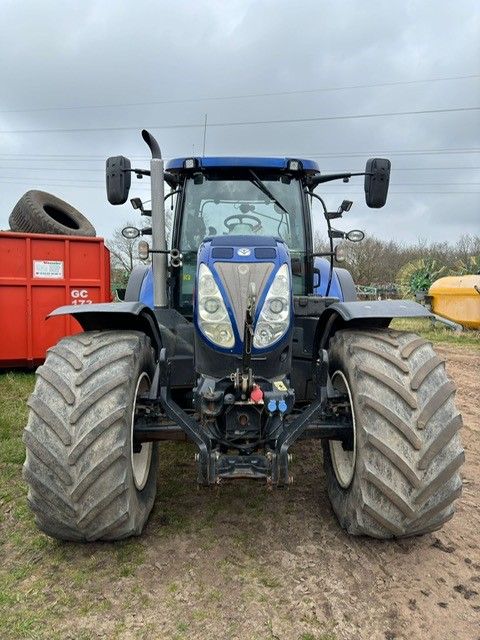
<point x="48" y="269"/>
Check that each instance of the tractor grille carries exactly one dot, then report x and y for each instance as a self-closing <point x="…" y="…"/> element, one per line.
<point x="236" y="278"/>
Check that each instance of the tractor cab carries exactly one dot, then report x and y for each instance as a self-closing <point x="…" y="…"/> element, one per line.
<point x="226" y="197"/>
<point x="242" y="225"/>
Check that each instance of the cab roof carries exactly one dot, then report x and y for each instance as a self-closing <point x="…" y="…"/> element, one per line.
<point x="233" y="162"/>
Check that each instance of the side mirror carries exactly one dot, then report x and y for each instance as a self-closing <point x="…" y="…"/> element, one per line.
<point x="377" y="178"/>
<point x="118" y="178"/>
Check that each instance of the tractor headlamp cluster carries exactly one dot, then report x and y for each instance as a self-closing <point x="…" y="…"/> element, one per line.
<point x="274" y="318"/>
<point x="213" y="318"/>
<point x="214" y="321"/>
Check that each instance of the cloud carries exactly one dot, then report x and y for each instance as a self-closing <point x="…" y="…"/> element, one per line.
<point x="75" y="54"/>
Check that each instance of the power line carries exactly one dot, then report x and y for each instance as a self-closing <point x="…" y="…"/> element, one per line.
<point x="249" y="122"/>
<point x="240" y="96"/>
<point x="23" y="156"/>
<point x="82" y="180"/>
<point x="49" y="169"/>
<point x="36" y="183"/>
<point x="344" y="154"/>
<point x="101" y="186"/>
<point x="395" y="169"/>
<point x="418" y="169"/>
<point x="406" y="152"/>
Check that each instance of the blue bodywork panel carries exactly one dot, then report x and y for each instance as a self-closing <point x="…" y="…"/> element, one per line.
<point x="146" y="292"/>
<point x="232" y="162"/>
<point x="320" y="288"/>
<point x="243" y="249"/>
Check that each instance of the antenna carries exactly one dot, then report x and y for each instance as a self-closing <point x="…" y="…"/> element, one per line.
<point x="204" y="135"/>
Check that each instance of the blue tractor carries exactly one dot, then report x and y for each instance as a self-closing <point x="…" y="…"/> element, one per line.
<point x="243" y="340"/>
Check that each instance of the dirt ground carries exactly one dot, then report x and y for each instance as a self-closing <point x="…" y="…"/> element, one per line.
<point x="240" y="561"/>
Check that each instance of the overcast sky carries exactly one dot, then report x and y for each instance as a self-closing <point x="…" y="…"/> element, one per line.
<point x="64" y="64"/>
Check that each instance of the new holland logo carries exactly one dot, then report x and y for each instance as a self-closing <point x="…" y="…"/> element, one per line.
<point x="244" y="251"/>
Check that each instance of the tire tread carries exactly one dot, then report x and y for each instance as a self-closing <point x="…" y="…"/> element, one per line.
<point x="78" y="445"/>
<point x="408" y="449"/>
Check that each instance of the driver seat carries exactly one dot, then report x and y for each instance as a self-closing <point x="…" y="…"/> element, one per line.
<point x="240" y="229"/>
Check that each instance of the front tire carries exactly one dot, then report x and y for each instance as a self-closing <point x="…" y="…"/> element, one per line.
<point x="401" y="477"/>
<point x="85" y="480"/>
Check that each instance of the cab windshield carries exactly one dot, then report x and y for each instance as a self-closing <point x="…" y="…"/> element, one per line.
<point x="254" y="205"/>
<point x="249" y="203"/>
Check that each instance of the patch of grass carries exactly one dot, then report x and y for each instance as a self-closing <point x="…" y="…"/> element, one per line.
<point x="182" y="627"/>
<point x="173" y="587"/>
<point x="437" y="332"/>
<point x="271" y="583"/>
<point x="253" y="574"/>
<point x="14" y="391"/>
<point x="200" y="615"/>
<point x="129" y="554"/>
<point x="25" y="625"/>
<point x="7" y="599"/>
<point x="12" y="450"/>
<point x="215" y="595"/>
<point x="21" y="571"/>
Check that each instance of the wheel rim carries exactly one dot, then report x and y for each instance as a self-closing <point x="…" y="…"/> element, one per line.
<point x="343" y="461"/>
<point x="140" y="461"/>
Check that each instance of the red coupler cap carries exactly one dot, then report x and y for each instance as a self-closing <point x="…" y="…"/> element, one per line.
<point x="256" y="394"/>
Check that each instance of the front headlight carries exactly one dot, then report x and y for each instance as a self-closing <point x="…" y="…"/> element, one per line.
<point x="212" y="313"/>
<point x="274" y="318"/>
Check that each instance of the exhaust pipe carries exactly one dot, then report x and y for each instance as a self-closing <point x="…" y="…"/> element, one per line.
<point x="159" y="243"/>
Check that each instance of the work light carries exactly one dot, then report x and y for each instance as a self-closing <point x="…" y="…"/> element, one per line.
<point x="294" y="165"/>
<point x="130" y="232"/>
<point x="355" y="235"/>
<point x="190" y="163"/>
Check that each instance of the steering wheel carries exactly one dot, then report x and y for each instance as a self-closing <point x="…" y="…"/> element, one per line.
<point x="238" y="219"/>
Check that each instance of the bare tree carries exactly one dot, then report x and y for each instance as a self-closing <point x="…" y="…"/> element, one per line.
<point x="376" y="261"/>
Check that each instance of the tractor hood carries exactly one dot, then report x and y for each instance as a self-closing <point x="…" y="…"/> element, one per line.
<point x="237" y="276"/>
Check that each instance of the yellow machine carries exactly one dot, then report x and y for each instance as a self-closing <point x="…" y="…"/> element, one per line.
<point x="457" y="298"/>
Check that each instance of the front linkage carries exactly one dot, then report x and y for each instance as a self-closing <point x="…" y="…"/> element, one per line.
<point x="159" y="417"/>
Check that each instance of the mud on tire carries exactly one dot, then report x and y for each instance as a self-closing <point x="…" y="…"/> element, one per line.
<point x="42" y="212"/>
<point x="408" y="451"/>
<point x="79" y="467"/>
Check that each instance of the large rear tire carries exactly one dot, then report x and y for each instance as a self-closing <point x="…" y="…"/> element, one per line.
<point x="401" y="476"/>
<point x="85" y="480"/>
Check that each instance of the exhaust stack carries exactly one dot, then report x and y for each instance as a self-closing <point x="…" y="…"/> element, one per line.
<point x="159" y="243"/>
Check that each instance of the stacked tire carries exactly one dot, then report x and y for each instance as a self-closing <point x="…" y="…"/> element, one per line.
<point x="42" y="212"/>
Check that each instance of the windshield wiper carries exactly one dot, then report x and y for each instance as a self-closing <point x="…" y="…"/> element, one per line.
<point x="264" y="189"/>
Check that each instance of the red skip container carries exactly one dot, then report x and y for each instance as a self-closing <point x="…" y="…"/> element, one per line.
<point x="39" y="273"/>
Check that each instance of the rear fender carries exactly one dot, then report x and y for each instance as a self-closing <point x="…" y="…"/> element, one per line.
<point x="132" y="316"/>
<point x="368" y="314"/>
